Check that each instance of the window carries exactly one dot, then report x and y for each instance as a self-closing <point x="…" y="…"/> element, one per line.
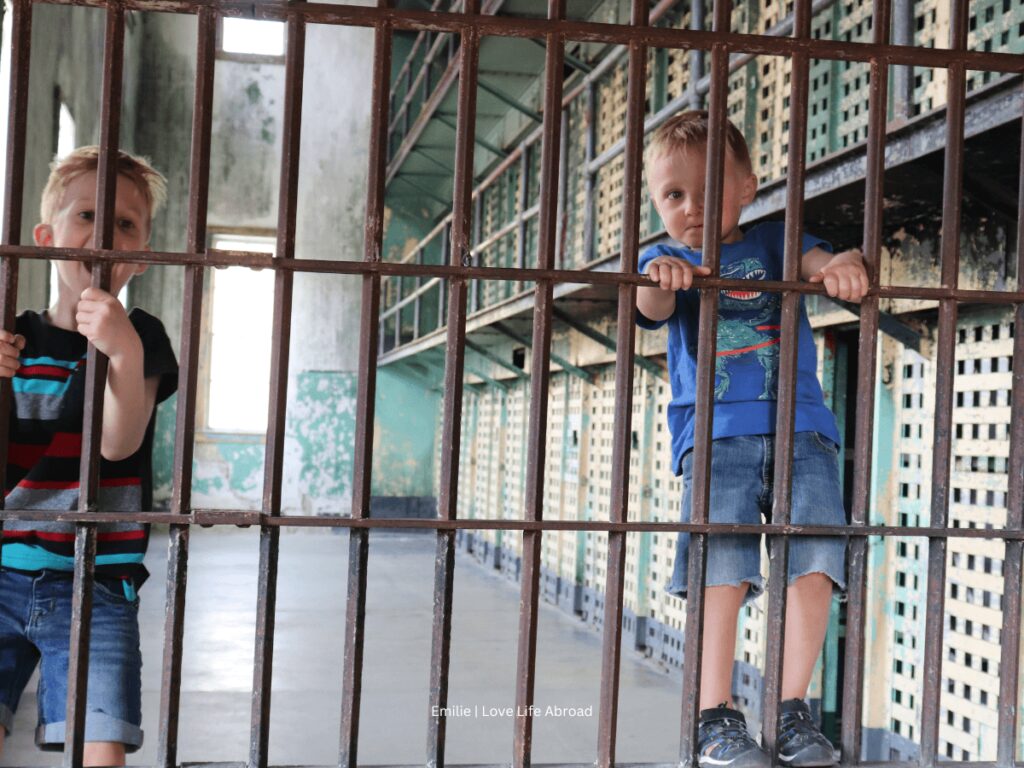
<point x="239" y="349"/>
<point x="252" y="38"/>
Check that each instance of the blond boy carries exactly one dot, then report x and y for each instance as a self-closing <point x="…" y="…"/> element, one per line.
<point x="44" y="356"/>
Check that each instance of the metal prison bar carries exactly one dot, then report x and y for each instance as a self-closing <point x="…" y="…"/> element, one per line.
<point x="555" y="30"/>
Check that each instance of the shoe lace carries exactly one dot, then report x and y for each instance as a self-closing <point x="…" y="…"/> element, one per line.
<point x="797" y="714"/>
<point x="795" y="723"/>
<point x="727" y="732"/>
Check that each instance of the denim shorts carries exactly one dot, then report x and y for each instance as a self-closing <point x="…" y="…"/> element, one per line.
<point x="741" y="492"/>
<point x="35" y="628"/>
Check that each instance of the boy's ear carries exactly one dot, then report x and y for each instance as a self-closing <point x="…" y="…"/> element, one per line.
<point x="654" y="201"/>
<point x="140" y="268"/>
<point x="43" y="234"/>
<point x="749" y="189"/>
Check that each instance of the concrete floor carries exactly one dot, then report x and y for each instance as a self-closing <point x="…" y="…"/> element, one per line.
<point x="306" y="704"/>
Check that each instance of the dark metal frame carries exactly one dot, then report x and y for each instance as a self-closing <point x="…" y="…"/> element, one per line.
<point x="470" y="25"/>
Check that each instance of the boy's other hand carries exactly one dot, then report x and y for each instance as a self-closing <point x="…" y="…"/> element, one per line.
<point x="674" y="274"/>
<point x="11" y="345"/>
<point x="102" y="320"/>
<point x="844" y="275"/>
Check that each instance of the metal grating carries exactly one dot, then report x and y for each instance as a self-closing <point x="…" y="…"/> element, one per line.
<point x="618" y="385"/>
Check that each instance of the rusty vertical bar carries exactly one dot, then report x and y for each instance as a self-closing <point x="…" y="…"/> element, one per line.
<point x="358" y="543"/>
<point x="447" y="502"/>
<point x="1009" y="662"/>
<point x="475" y="293"/>
<point x="14" y="187"/>
<point x="416" y="302"/>
<point x="399" y="291"/>
<point x="625" y="337"/>
<point x="707" y="342"/>
<point x="524" y="191"/>
<point x="853" y="671"/>
<point x="540" y="375"/>
<point x="903" y="75"/>
<point x="590" y="178"/>
<point x="442" y="285"/>
<point x="792" y="304"/>
<point x="259" y="733"/>
<point x="563" y="189"/>
<point x="696" y="73"/>
<point x="952" y="186"/>
<point x="95" y="384"/>
<point x="181" y="499"/>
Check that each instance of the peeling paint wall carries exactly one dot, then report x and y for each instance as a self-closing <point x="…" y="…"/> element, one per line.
<point x="244" y="179"/>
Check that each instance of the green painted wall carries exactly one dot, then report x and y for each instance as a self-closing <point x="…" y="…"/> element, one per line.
<point x="407" y="418"/>
<point x="322" y="425"/>
<point x="163" y="451"/>
<point x="320" y="439"/>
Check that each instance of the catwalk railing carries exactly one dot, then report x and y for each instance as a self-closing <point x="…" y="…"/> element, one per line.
<point x="414" y="309"/>
<point x="555" y="30"/>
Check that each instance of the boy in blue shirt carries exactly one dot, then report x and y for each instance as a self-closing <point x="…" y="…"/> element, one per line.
<point x="746" y="390"/>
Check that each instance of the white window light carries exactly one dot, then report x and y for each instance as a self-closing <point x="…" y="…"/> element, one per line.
<point x="263" y="38"/>
<point x="240" y="329"/>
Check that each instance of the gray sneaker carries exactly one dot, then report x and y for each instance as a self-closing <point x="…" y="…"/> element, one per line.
<point x="723" y="740"/>
<point x="801" y="743"/>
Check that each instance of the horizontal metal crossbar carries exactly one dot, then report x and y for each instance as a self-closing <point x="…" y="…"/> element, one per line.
<point x="256" y="260"/>
<point x="471" y="27"/>
<point x="206" y="518"/>
<point x="577" y="31"/>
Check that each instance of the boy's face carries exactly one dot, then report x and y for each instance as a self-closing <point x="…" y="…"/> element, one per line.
<point x="676" y="181"/>
<point x="72" y="227"/>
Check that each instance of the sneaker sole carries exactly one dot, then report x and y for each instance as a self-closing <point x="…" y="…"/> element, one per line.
<point x="762" y="762"/>
<point x="796" y="761"/>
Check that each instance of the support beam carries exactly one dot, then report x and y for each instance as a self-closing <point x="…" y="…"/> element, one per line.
<point x="572" y="61"/>
<point x="421" y="151"/>
<point x="890" y="325"/>
<point x="484" y="352"/>
<point x="509" y="101"/>
<point x="528" y="343"/>
<point x="444" y="120"/>
<point x="439" y="366"/>
<point x="425" y="192"/>
<point x="486" y="379"/>
<point x="608" y="342"/>
<point x="430" y="174"/>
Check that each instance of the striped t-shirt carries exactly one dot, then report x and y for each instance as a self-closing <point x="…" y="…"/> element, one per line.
<point x="45" y="449"/>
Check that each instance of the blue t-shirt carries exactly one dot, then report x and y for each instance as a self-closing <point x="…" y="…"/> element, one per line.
<point x="747" y="362"/>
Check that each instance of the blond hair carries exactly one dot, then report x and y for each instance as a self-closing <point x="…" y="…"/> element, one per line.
<point x="64" y="170"/>
<point x="688" y="130"/>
